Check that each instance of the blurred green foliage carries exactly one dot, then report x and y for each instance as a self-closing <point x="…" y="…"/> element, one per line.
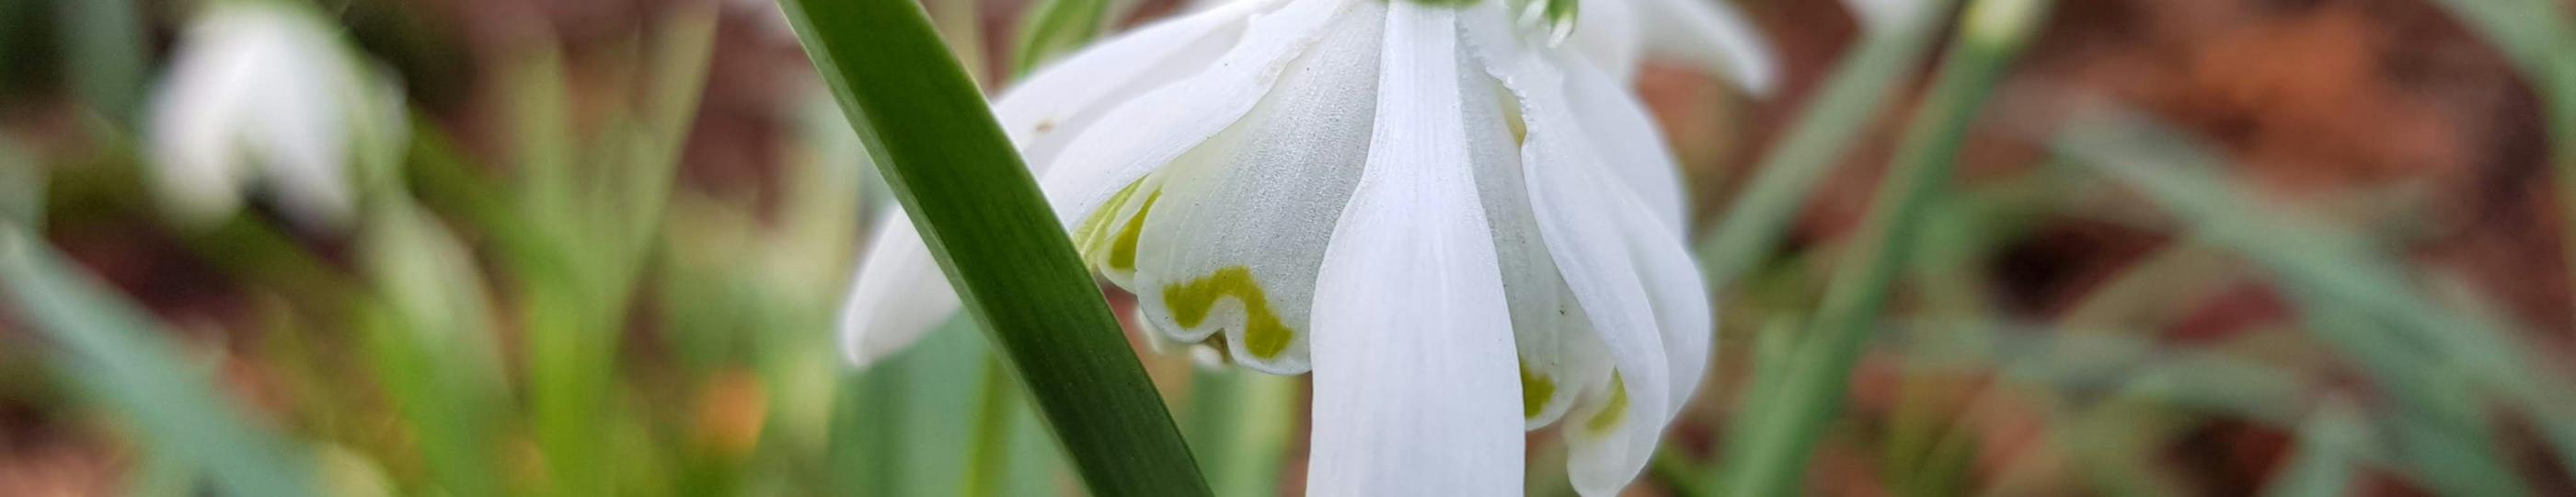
<point x="558" y="315"/>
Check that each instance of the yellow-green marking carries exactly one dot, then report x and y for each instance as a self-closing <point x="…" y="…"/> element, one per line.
<point x="1617" y="409"/>
<point x="1122" y="253"/>
<point x="1535" y="390"/>
<point x="1263" y="334"/>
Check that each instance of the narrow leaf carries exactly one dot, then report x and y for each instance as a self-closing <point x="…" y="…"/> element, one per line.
<point x="1858" y="89"/>
<point x="2426" y="359"/>
<point x="110" y="349"/>
<point x="981" y="213"/>
<point x="1772" y="441"/>
<point x="1056" y="27"/>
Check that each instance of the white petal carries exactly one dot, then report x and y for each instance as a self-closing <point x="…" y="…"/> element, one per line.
<point x="1714" y="33"/>
<point x="1547" y="324"/>
<point x="1629" y="141"/>
<point x="304" y="103"/>
<point x="1045" y="111"/>
<point x="898" y="295"/>
<point x="1241" y="222"/>
<point x="1681" y="303"/>
<point x="197" y="165"/>
<point x="1160" y="125"/>
<point x="1414" y="385"/>
<point x="1579" y="210"/>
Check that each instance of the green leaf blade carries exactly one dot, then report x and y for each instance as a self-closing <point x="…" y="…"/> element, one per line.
<point x="980" y="211"/>
<point x="109" y="348"/>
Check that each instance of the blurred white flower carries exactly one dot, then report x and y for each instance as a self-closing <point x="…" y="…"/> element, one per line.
<point x="1373" y="191"/>
<point x="267" y="91"/>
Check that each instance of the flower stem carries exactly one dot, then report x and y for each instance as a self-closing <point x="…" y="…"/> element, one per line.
<point x="1774" y="439"/>
<point x="1055" y="28"/>
<point x="988" y="464"/>
<point x="1860" y="84"/>
<point x="112" y="350"/>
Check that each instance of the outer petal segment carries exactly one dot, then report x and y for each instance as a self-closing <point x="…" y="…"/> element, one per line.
<point x="1414" y="388"/>
<point x="1059" y="102"/>
<point x="898" y="293"/>
<point x="1628" y="140"/>
<point x="1237" y="227"/>
<point x="1154" y="129"/>
<point x="1579" y="208"/>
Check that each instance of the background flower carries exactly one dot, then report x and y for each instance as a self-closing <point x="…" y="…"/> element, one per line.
<point x="266" y="92"/>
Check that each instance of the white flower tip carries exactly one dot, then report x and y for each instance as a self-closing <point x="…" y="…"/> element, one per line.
<point x="857" y="345"/>
<point x="898" y="296"/>
<point x="875" y="325"/>
<point x="1715" y="33"/>
<point x="872" y="328"/>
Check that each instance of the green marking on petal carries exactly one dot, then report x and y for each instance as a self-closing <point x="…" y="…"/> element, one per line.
<point x="1089" y="237"/>
<point x="1616" y="411"/>
<point x="1535" y="390"/>
<point x="1122" y="254"/>
<point x="1263" y="334"/>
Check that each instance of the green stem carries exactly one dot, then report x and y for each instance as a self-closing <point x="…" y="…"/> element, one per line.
<point x="2562" y="104"/>
<point x="1240" y="423"/>
<point x="1770" y="458"/>
<point x="1861" y="83"/>
<point x="988" y="464"/>
<point x="1057" y="27"/>
<point x="111" y="349"/>
<point x="108" y="52"/>
<point x="981" y="213"/>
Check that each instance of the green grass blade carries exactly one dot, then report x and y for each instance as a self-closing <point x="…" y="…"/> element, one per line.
<point x="1239" y="421"/>
<point x="110" y="349"/>
<point x="2537" y="36"/>
<point x="2429" y="361"/>
<point x="2328" y="458"/>
<point x="22" y="185"/>
<point x="107" y="53"/>
<point x="1861" y="84"/>
<point x="867" y="426"/>
<point x="988" y="461"/>
<point x="430" y="344"/>
<point x="680" y="55"/>
<point x="982" y="215"/>
<point x="1773" y="440"/>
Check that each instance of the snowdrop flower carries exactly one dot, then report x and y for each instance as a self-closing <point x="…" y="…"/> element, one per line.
<point x="267" y="91"/>
<point x="1463" y="231"/>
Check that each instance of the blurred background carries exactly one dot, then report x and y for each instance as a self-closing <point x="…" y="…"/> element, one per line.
<point x="596" y="247"/>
